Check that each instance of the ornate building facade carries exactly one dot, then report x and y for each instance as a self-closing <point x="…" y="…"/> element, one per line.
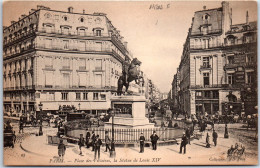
<point x="218" y="68"/>
<point x="61" y="58"/>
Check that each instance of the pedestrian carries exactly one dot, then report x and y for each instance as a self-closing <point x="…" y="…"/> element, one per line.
<point x="226" y="131"/>
<point x="188" y="135"/>
<point x="142" y="139"/>
<point x="20" y="126"/>
<point x="207" y="141"/>
<point x="98" y="143"/>
<point x="49" y="122"/>
<point x="87" y="139"/>
<point x="215" y="137"/>
<point x="107" y="141"/>
<point x="183" y="143"/>
<point x="61" y="149"/>
<point x="154" y="138"/>
<point x="81" y="143"/>
<point x="93" y="139"/>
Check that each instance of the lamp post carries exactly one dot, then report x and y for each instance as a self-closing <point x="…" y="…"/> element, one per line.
<point x="79" y="106"/>
<point x="112" y="151"/>
<point x="40" y="129"/>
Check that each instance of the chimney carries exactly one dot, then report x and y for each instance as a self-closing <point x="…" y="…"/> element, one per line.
<point x="125" y="44"/>
<point x="70" y="9"/>
<point x="12" y="22"/>
<point x="23" y="15"/>
<point x="231" y="16"/>
<point x="83" y="11"/>
<point x="247" y="17"/>
<point x="204" y="7"/>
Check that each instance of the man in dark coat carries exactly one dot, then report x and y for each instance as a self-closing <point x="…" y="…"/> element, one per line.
<point x="215" y="137"/>
<point x="81" y="142"/>
<point x="97" y="144"/>
<point x="93" y="139"/>
<point x="107" y="141"/>
<point x="87" y="139"/>
<point x="188" y="135"/>
<point x="61" y="149"/>
<point x="154" y="138"/>
<point x="142" y="139"/>
<point x="183" y="143"/>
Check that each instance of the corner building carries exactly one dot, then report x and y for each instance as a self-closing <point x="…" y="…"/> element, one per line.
<point x="61" y="58"/>
<point x="218" y="72"/>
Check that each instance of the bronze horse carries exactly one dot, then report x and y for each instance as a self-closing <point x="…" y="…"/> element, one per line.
<point x="130" y="73"/>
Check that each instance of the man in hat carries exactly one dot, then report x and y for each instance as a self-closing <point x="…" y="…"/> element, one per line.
<point x="98" y="143"/>
<point x="81" y="143"/>
<point x="215" y="137"/>
<point x="154" y="138"/>
<point x="183" y="143"/>
<point x="142" y="139"/>
<point x="93" y="139"/>
<point x="107" y="141"/>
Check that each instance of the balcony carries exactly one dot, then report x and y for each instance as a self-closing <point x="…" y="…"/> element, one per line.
<point x="20" y="35"/>
<point x="208" y="32"/>
<point x="205" y="66"/>
<point x="73" y="33"/>
<point x="241" y="64"/>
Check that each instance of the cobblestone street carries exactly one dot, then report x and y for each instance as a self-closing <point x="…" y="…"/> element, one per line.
<point x="35" y="150"/>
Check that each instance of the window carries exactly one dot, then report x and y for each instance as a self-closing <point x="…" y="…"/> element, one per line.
<point x="48" y="43"/>
<point x="64" y="96"/>
<point x="206" y="79"/>
<point x="231" y="60"/>
<point x="81" y="19"/>
<point x="56" y="17"/>
<point x="205" y="62"/>
<point x="48" y="62"/>
<point x="81" y="32"/>
<point x="250" y="58"/>
<point x="65" y="18"/>
<point x="98" y="32"/>
<point x="65" y="30"/>
<point x="82" y="46"/>
<point x="51" y="96"/>
<point x="198" y="93"/>
<point x="66" y="80"/>
<point x="82" y="79"/>
<point x="231" y="78"/>
<point x="250" y="77"/>
<point x="205" y="42"/>
<point x="98" y="64"/>
<point x="48" y="79"/>
<point x="103" y="97"/>
<point x="95" y="96"/>
<point x="98" y="80"/>
<point x="207" y="94"/>
<point x="215" y="95"/>
<point x="82" y="64"/>
<point x="48" y="28"/>
<point x="66" y="44"/>
<point x="77" y="96"/>
<point x="85" y="96"/>
<point x="66" y="63"/>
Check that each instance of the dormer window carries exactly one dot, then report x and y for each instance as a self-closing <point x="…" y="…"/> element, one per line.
<point x="65" y="29"/>
<point x="206" y="18"/>
<point x="97" y="31"/>
<point x="47" y="15"/>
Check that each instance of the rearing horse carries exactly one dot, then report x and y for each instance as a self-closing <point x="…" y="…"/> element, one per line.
<point x="130" y="73"/>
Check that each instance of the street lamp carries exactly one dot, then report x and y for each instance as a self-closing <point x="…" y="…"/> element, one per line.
<point x="40" y="129"/>
<point x="112" y="151"/>
<point x="79" y="106"/>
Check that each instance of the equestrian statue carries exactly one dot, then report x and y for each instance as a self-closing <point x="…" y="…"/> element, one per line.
<point x="129" y="73"/>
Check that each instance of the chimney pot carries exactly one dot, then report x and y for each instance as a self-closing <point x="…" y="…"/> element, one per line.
<point x="12" y="22"/>
<point x="70" y="9"/>
<point x="83" y="11"/>
<point x="204" y="7"/>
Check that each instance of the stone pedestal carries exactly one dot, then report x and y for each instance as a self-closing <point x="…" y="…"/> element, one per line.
<point x="129" y="113"/>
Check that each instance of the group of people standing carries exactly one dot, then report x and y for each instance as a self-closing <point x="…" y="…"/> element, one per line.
<point x="154" y="138"/>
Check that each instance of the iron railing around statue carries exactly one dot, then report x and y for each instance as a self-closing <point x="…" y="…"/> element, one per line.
<point x="129" y="135"/>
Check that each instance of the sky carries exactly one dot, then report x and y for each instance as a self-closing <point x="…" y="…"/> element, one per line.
<point x="154" y="36"/>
